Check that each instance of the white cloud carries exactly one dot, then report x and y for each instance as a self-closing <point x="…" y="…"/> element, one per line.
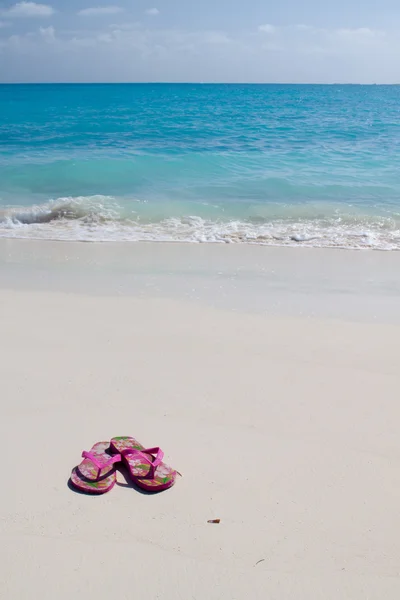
<point x="153" y="12"/>
<point x="48" y="33"/>
<point x="302" y="27"/>
<point x="267" y="28"/>
<point x="28" y="9"/>
<point x="126" y="26"/>
<point x="100" y="10"/>
<point x="292" y="54"/>
<point x="106" y="38"/>
<point x="361" y="32"/>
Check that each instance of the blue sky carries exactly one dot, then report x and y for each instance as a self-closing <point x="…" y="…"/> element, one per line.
<point x="208" y="40"/>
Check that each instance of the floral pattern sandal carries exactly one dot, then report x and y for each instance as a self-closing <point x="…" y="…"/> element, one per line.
<point x="96" y="473"/>
<point x="144" y="464"/>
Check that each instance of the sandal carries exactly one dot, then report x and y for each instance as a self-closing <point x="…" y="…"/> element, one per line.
<point x="145" y="465"/>
<point x="96" y="473"/>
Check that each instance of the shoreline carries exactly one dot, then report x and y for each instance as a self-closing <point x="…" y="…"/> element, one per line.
<point x="184" y="243"/>
<point x="225" y="239"/>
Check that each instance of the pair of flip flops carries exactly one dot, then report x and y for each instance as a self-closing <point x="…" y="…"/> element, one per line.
<point x="96" y="474"/>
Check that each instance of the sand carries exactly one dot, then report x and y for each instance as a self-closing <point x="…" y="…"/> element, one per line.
<point x="282" y="419"/>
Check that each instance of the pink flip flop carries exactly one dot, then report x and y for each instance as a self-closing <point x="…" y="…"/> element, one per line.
<point x="96" y="473"/>
<point x="144" y="464"/>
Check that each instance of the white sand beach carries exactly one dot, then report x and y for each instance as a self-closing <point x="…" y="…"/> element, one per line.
<point x="269" y="376"/>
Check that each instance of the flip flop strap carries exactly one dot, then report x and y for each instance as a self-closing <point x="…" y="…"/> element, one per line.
<point x="142" y="454"/>
<point x="100" y="465"/>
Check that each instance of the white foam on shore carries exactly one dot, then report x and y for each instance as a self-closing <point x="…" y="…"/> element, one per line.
<point x="99" y="219"/>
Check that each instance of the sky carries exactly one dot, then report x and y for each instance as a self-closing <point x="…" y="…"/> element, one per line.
<point x="289" y="41"/>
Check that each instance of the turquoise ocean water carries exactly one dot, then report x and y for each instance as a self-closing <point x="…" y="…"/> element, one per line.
<point x="267" y="164"/>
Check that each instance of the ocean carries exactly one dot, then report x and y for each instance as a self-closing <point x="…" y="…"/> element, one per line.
<point x="302" y="165"/>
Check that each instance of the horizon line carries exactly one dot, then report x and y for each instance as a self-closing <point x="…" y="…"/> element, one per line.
<point x="189" y="83"/>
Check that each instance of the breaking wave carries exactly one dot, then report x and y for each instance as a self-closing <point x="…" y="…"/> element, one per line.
<point x="102" y="219"/>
